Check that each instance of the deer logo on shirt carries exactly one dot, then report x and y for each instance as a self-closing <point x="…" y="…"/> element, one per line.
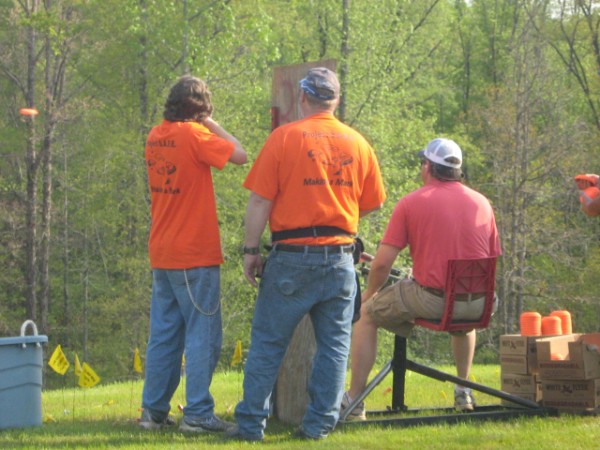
<point x="332" y="158"/>
<point x="157" y="163"/>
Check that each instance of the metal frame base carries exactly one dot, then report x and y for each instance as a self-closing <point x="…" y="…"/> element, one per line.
<point x="399" y="364"/>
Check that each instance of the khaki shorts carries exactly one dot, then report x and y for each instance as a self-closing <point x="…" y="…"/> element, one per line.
<point x="396" y="307"/>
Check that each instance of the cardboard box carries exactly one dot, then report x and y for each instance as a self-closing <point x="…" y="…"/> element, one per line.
<point x="514" y="364"/>
<point x="515" y="344"/>
<point x="580" y="353"/>
<point x="519" y="384"/>
<point x="537" y="397"/>
<point x="571" y="395"/>
<point x="518" y="354"/>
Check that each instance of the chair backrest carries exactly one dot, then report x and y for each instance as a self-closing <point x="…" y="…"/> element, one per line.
<point x="466" y="276"/>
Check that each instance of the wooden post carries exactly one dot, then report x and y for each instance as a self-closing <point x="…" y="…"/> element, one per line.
<point x="290" y="396"/>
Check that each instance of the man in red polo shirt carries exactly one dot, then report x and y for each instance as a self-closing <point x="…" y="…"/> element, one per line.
<point x="442" y="220"/>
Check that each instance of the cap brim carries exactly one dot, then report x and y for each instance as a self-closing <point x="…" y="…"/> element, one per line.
<point x="585" y="178"/>
<point x="421" y="154"/>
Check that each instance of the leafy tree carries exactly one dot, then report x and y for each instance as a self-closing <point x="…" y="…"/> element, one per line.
<point x="514" y="83"/>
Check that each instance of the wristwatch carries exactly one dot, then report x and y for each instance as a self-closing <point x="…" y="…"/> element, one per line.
<point x="250" y="250"/>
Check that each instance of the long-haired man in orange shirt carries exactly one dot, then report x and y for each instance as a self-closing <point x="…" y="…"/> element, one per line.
<point x="185" y="255"/>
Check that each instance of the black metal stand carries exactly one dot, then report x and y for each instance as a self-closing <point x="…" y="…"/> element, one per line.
<point x="399" y="364"/>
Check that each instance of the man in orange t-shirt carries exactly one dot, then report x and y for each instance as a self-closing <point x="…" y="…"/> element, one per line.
<point x="185" y="255"/>
<point x="312" y="181"/>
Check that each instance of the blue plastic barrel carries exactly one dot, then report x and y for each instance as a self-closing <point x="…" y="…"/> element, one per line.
<point x="21" y="360"/>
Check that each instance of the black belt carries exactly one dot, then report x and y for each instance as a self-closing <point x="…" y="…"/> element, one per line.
<point x="314" y="248"/>
<point x="457" y="297"/>
<point x="317" y="231"/>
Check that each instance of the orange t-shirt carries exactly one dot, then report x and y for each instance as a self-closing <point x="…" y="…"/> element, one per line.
<point x="317" y="171"/>
<point x="184" y="231"/>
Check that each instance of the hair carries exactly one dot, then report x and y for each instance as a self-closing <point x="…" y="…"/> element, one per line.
<point x="445" y="173"/>
<point x="188" y="100"/>
<point x="321" y="104"/>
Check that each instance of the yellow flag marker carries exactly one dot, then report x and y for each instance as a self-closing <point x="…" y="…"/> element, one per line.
<point x="237" y="354"/>
<point x="58" y="361"/>
<point x="88" y="377"/>
<point x="77" y="366"/>
<point x="137" y="361"/>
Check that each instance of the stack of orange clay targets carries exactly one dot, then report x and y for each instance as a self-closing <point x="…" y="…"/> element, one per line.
<point x="567" y="364"/>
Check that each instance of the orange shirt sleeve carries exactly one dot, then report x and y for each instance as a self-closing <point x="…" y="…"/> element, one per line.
<point x="208" y="148"/>
<point x="262" y="178"/>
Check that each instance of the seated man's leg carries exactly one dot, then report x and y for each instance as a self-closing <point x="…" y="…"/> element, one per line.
<point x="463" y="349"/>
<point x="390" y="309"/>
<point x="363" y="351"/>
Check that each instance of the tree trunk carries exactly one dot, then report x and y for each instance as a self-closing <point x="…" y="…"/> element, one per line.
<point x="44" y="297"/>
<point x="65" y="319"/>
<point x="31" y="162"/>
<point x="345" y="55"/>
<point x="291" y="394"/>
<point x="31" y="226"/>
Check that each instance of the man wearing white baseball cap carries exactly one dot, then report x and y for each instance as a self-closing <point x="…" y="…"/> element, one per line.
<point x="442" y="220"/>
<point x="444" y="152"/>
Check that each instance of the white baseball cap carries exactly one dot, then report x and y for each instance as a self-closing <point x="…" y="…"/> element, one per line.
<point x="440" y="149"/>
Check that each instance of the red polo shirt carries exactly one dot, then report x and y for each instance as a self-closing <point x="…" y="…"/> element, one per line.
<point x="440" y="221"/>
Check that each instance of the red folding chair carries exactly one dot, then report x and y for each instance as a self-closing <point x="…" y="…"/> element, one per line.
<point x="468" y="277"/>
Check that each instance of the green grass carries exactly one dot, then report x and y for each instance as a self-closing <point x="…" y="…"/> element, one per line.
<point x="106" y="417"/>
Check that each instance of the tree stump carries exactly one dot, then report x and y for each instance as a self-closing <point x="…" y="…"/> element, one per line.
<point x="290" y="397"/>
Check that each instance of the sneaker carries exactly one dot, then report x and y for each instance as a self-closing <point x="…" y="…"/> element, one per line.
<point x="235" y="434"/>
<point x="357" y="414"/>
<point x="301" y="434"/>
<point x="464" y="401"/>
<point x="147" y="422"/>
<point x="210" y="425"/>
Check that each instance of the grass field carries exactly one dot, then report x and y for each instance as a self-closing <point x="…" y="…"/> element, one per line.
<point x="106" y="417"/>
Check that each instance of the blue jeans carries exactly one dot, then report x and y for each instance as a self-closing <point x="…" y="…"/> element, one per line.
<point x="294" y="284"/>
<point x="185" y="315"/>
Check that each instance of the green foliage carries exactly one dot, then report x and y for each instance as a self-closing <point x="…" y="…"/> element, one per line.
<point x="488" y="74"/>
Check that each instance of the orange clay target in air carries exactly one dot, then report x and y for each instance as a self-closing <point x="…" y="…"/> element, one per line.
<point x="28" y="112"/>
